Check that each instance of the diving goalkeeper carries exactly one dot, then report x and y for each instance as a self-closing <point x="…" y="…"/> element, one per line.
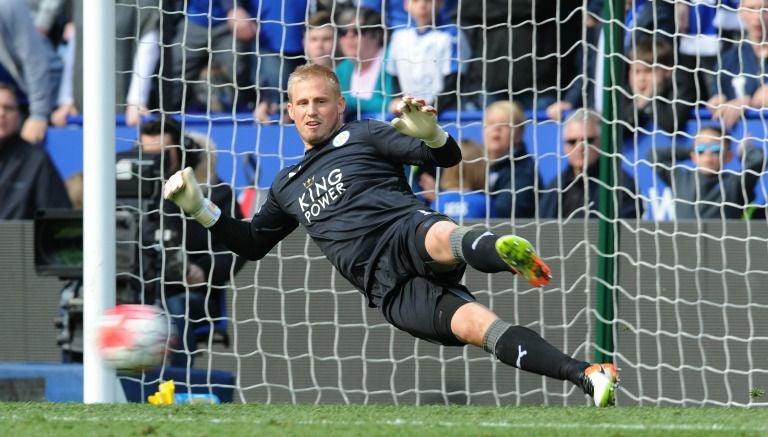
<point x="351" y="195"/>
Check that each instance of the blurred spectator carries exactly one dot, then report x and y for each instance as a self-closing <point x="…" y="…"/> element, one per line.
<point x="50" y="17"/>
<point x="334" y="5"/>
<point x="319" y="48"/>
<point x="512" y="177"/>
<point x="707" y="191"/>
<point x="365" y="84"/>
<point x="29" y="64"/>
<point x="74" y="184"/>
<point x="462" y="187"/>
<point x="698" y="41"/>
<point x="136" y="57"/>
<point x="520" y="47"/>
<point x="203" y="65"/>
<point x="727" y="22"/>
<point x="319" y="44"/>
<point x="581" y="91"/>
<point x="28" y="180"/>
<point x="653" y="101"/>
<point x="426" y="60"/>
<point x="397" y="17"/>
<point x="278" y="48"/>
<point x="208" y="264"/>
<point x="643" y="19"/>
<point x="740" y="81"/>
<point x="574" y="193"/>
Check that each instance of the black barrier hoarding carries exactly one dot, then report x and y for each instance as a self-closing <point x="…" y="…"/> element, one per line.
<point x="59" y="243"/>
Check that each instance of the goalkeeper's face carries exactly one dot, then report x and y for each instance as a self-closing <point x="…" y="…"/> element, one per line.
<point x="317" y="109"/>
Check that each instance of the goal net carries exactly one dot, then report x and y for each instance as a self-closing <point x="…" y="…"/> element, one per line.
<point x="650" y="210"/>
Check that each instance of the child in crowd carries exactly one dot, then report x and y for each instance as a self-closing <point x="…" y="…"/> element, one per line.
<point x="427" y="60"/>
<point x="653" y="102"/>
<point x="462" y="187"/>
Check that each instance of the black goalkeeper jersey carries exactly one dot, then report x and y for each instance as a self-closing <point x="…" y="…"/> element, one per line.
<point x="346" y="193"/>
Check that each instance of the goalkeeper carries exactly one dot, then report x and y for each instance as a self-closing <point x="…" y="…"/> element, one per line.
<point x="351" y="195"/>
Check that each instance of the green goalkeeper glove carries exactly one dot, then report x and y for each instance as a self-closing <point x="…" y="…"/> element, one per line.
<point x="183" y="190"/>
<point x="419" y="120"/>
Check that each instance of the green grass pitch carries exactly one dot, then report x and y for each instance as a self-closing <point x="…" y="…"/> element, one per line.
<point x="51" y="419"/>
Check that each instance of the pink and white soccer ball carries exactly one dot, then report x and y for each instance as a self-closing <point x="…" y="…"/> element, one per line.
<point x="133" y="337"/>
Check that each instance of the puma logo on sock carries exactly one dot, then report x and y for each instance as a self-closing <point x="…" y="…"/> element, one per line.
<point x="520" y="354"/>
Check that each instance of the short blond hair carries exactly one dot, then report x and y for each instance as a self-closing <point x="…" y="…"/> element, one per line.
<point x="308" y="71"/>
<point x="471" y="171"/>
<point x="511" y="109"/>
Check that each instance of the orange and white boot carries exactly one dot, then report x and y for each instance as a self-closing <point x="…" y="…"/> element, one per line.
<point x="600" y="382"/>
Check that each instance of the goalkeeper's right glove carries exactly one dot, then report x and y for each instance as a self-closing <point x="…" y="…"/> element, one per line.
<point x="419" y="120"/>
<point x="183" y="190"/>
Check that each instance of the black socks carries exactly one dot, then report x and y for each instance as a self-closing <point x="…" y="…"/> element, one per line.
<point x="525" y="349"/>
<point x="477" y="247"/>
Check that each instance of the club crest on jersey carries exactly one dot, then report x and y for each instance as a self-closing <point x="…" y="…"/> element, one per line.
<point x="341" y="139"/>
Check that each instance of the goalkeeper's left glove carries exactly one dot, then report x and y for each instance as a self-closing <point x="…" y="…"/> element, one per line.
<point x="419" y="120"/>
<point x="183" y="190"/>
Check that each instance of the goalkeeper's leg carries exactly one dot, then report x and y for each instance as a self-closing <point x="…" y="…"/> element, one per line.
<point x="446" y="242"/>
<point x="523" y="348"/>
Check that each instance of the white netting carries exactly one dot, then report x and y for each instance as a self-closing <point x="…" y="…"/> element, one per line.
<point x="690" y="300"/>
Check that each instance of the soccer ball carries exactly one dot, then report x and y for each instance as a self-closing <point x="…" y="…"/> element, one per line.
<point x="133" y="337"/>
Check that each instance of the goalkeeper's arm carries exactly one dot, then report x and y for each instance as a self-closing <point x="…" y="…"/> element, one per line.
<point x="251" y="240"/>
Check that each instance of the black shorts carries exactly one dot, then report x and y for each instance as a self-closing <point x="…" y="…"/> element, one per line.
<point x="408" y="289"/>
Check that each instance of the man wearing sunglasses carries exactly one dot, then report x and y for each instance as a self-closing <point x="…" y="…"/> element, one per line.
<point x="575" y="192"/>
<point x="706" y="191"/>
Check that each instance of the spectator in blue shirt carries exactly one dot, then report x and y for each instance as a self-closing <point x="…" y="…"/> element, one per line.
<point x="319" y="46"/>
<point x="643" y="19"/>
<point x="203" y="53"/>
<point x="462" y="187"/>
<point x="512" y="176"/>
<point x="741" y="79"/>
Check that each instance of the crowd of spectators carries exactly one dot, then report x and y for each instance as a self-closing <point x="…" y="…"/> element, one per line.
<point x="504" y="59"/>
